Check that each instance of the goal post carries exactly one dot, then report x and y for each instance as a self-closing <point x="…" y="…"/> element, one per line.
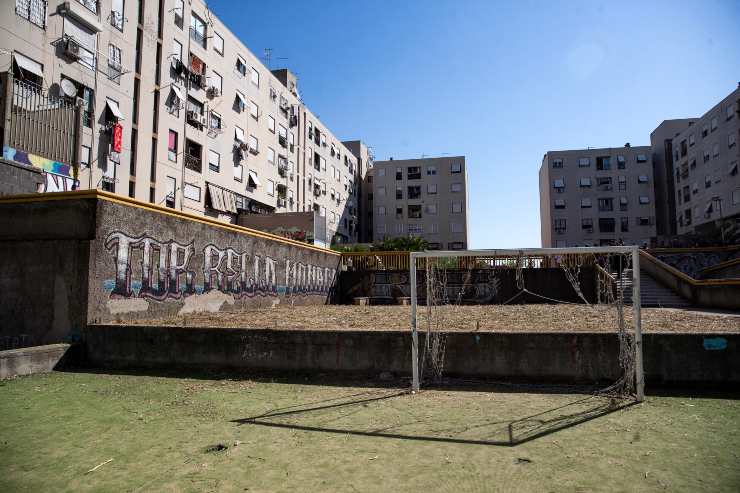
<point x="512" y="258"/>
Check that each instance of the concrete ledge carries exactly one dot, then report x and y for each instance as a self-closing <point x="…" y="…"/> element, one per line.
<point x="673" y="359"/>
<point x="30" y="360"/>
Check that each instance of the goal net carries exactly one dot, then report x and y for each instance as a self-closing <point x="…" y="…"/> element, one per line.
<point x="530" y="290"/>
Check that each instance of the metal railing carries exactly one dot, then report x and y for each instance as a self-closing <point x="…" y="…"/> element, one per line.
<point x="193" y="162"/>
<point x="40" y="124"/>
<point x="380" y="261"/>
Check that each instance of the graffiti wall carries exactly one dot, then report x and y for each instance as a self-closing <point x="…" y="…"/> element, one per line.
<point x="58" y="177"/>
<point x="148" y="264"/>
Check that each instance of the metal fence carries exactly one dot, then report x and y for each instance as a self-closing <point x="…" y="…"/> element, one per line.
<point x="41" y="124"/>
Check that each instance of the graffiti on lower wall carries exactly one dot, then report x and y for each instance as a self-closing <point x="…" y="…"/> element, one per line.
<point x="48" y="165"/>
<point x="477" y="286"/>
<point x="163" y="271"/>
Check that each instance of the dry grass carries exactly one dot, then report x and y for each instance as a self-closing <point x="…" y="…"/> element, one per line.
<point x="494" y="318"/>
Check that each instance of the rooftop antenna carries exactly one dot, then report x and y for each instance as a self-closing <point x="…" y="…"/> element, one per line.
<point x="267" y="56"/>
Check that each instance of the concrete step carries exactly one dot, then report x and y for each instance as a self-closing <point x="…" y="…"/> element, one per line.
<point x="652" y="293"/>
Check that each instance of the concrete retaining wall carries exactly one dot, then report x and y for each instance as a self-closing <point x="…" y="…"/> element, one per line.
<point x="16" y="178"/>
<point x="543" y="357"/>
<point x="75" y="258"/>
<point x="27" y="361"/>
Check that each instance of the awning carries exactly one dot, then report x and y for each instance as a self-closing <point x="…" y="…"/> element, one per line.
<point x="113" y="107"/>
<point x="253" y="179"/>
<point x="222" y="199"/>
<point x="29" y="65"/>
<point x="733" y="168"/>
<point x="240" y="97"/>
<point x="178" y="92"/>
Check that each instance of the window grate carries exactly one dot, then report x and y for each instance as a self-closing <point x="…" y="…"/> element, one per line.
<point x="33" y="11"/>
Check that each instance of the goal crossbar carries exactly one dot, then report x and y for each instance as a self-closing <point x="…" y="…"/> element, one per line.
<point x="633" y="251"/>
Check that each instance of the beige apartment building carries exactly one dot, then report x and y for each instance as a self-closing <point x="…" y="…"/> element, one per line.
<point x="425" y="198"/>
<point x="175" y="110"/>
<point x="707" y="179"/>
<point x="595" y="197"/>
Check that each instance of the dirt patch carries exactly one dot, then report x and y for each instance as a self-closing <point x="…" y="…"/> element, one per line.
<point x="490" y="318"/>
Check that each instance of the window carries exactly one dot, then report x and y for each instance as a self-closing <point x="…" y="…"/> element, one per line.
<point x="736" y="196"/>
<point x="172" y="146"/>
<point x="434" y="228"/>
<point x="604" y="182"/>
<point x="704" y="131"/>
<point x="431" y="170"/>
<point x="729" y="112"/>
<point x="270" y="123"/>
<point x="715" y="150"/>
<point x="431" y="209"/>
<point x="587" y="223"/>
<point x="380" y="228"/>
<point x="621" y="162"/>
<point x="85" y="156"/>
<point x="198" y="30"/>
<point x="557" y="163"/>
<point x="416" y="229"/>
<point x="684" y="148"/>
<point x="584" y="162"/>
<point x="178" y="10"/>
<point x="559" y="224"/>
<point x="456" y="245"/>
<point x="216" y="122"/>
<point x="254" y="110"/>
<point x="641" y="158"/>
<point x="216" y="82"/>
<point x="214" y="160"/>
<point x="456" y="187"/>
<point x="714" y="123"/>
<point x="239" y="134"/>
<point x="431" y="188"/>
<point x="731" y="140"/>
<point x="116" y="14"/>
<point x="254" y="144"/>
<point x="255" y="77"/>
<point x="456" y="207"/>
<point x="238" y="172"/>
<point x="414" y="192"/>
<point x="456" y="168"/>
<point x="271" y="155"/>
<point x="606" y="204"/>
<point x="707" y="181"/>
<point x="381" y="172"/>
<point x="33" y="11"/>
<point x="622" y="183"/>
<point x="456" y="228"/>
<point x="585" y="203"/>
<point x="381" y="191"/>
<point x="644" y="199"/>
<point x="606" y="224"/>
<point x="642" y="179"/>
<point x="413" y="173"/>
<point x="399" y="193"/>
<point x="241" y="65"/>
<point x="218" y="44"/>
<point x="399" y="174"/>
<point x="732" y="168"/>
<point x="381" y="210"/>
<point x="584" y="182"/>
<point x="559" y="185"/>
<point x="623" y="204"/>
<point x="624" y="224"/>
<point x="415" y="211"/>
<point x="645" y="221"/>
<point x="399" y="228"/>
<point x="114" y="63"/>
<point x="559" y="204"/>
<point x="171" y="190"/>
<point x="271" y="188"/>
<point x="191" y="192"/>
<point x="692" y="140"/>
<point x="707" y="154"/>
<point x="603" y="163"/>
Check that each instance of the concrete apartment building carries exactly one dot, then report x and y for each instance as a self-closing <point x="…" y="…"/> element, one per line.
<point x="595" y="197"/>
<point x="705" y="169"/>
<point x="175" y="110"/>
<point x="426" y="198"/>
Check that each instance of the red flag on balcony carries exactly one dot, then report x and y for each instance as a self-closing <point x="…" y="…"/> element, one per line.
<point x="117" y="137"/>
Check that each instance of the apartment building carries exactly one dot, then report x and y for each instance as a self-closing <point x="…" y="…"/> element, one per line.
<point x="705" y="167"/>
<point x="595" y="197"/>
<point x="425" y="198"/>
<point x="364" y="189"/>
<point x="175" y="110"/>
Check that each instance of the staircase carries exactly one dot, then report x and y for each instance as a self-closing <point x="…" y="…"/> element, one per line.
<point x="652" y="293"/>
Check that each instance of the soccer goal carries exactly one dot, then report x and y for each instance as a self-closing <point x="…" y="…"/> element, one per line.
<point x="574" y="287"/>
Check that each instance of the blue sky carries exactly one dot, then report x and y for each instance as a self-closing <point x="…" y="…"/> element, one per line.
<point x="500" y="82"/>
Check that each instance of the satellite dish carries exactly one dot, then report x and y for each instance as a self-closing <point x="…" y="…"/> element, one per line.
<point x="68" y="88"/>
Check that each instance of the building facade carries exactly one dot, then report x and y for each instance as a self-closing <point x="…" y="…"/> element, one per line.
<point x="705" y="170"/>
<point x="176" y="111"/>
<point x="424" y="198"/>
<point x="595" y="197"/>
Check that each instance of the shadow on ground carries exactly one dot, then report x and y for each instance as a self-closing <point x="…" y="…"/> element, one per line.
<point x="318" y="417"/>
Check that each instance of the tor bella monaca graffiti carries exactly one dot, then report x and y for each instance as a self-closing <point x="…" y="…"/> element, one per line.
<point x="171" y="270"/>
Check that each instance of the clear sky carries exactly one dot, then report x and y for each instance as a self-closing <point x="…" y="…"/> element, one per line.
<point x="499" y="82"/>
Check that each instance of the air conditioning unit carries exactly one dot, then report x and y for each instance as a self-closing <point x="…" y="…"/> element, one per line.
<point x="193" y="116"/>
<point x="213" y="92"/>
<point x="72" y="49"/>
<point x="202" y="120"/>
<point x="281" y="202"/>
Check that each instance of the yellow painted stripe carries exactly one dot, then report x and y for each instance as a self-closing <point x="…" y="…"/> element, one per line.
<point x="118" y="199"/>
